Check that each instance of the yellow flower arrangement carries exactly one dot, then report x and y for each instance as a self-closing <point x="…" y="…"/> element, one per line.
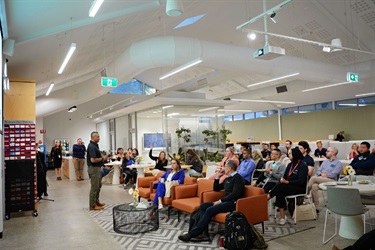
<point x="135" y="194"/>
<point x="348" y="170"/>
<point x="139" y="159"/>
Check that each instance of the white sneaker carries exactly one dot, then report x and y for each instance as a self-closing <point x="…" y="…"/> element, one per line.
<point x="282" y="221"/>
<point x="160" y="206"/>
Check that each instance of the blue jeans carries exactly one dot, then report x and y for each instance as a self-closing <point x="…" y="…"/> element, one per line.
<point x="206" y="211"/>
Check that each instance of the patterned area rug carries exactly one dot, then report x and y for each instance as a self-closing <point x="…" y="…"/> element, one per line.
<point x="165" y="237"/>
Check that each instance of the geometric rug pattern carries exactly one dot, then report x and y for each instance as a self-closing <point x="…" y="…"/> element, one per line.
<point x="166" y="237"/>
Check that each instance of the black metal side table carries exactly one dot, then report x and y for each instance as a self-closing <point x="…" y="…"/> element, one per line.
<point x="128" y="219"/>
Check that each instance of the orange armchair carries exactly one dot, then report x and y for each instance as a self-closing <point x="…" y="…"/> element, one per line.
<point x="188" y="198"/>
<point x="254" y="205"/>
<point x="168" y="201"/>
<point x="145" y="185"/>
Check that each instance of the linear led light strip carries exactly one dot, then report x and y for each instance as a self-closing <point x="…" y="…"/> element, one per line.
<point x="234" y="110"/>
<point x="268" y="101"/>
<point x="274" y="79"/>
<point x="373" y="93"/>
<point x="327" y="86"/>
<point x="181" y="68"/>
<point x="95" y="7"/>
<point x="67" y="58"/>
<point x="50" y="88"/>
<point x="207" y="109"/>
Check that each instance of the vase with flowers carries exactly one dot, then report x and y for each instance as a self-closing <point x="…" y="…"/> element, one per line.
<point x="135" y="194"/>
<point x="139" y="159"/>
<point x="348" y="170"/>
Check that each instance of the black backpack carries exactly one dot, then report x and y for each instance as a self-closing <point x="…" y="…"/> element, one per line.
<point x="237" y="232"/>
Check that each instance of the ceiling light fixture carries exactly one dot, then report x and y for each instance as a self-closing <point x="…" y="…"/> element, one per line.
<point x="252" y="36"/>
<point x="273" y="9"/>
<point x="67" y="58"/>
<point x="72" y="109"/>
<point x="326" y="49"/>
<point x="267" y="101"/>
<point x="274" y="79"/>
<point x="174" y="8"/>
<point x="207" y="109"/>
<point x="50" y="88"/>
<point x="273" y="17"/>
<point x="327" y="86"/>
<point x="172" y="114"/>
<point x="95" y="7"/>
<point x="181" y="68"/>
<point x="336" y="45"/>
<point x="235" y="110"/>
<point x="6" y="85"/>
<point x="373" y="93"/>
<point x="167" y="107"/>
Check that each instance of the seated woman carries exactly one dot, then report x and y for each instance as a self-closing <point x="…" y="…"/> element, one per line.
<point x="175" y="176"/>
<point x="161" y="161"/>
<point x="128" y="172"/>
<point x="320" y="152"/>
<point x="229" y="155"/>
<point x="259" y="163"/>
<point x="196" y="164"/>
<point x="293" y="182"/>
<point x="353" y="152"/>
<point x="135" y="153"/>
<point x="119" y="154"/>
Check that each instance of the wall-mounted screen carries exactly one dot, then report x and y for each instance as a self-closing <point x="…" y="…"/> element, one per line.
<point x="157" y="140"/>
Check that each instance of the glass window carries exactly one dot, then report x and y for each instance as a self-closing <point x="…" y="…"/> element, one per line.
<point x="248" y="116"/>
<point x="306" y="108"/>
<point x="346" y="104"/>
<point x="238" y="117"/>
<point x="272" y="112"/>
<point x="228" y="118"/>
<point x="365" y="101"/>
<point x="261" y="114"/>
<point x="323" y="106"/>
<point x="288" y="111"/>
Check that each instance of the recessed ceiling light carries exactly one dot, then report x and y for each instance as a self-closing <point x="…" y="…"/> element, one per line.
<point x="251" y="36"/>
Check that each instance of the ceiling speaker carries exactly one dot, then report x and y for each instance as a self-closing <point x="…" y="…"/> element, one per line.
<point x="8" y="47"/>
<point x="281" y="89"/>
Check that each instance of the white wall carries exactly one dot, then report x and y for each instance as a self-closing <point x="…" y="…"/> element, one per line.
<point x="122" y="132"/>
<point x="103" y="129"/>
<point x="39" y="126"/>
<point x="68" y="126"/>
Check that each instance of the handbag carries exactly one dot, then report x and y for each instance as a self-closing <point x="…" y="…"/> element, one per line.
<point x="168" y="187"/>
<point x="305" y="212"/>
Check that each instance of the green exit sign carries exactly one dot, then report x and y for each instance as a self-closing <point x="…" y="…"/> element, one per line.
<point x="352" y="77"/>
<point x="109" y="82"/>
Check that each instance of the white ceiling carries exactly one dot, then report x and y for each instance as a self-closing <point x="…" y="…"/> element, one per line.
<point x="136" y="39"/>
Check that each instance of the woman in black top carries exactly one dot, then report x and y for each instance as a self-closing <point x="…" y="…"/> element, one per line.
<point x="293" y="182"/>
<point x="161" y="160"/>
<point x="196" y="164"/>
<point x="56" y="155"/>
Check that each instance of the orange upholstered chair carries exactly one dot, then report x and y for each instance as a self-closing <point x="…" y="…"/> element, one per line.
<point x="145" y="185"/>
<point x="168" y="201"/>
<point x="189" y="198"/>
<point x="253" y="205"/>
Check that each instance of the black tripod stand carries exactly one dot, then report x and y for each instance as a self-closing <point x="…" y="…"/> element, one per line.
<point x="42" y="183"/>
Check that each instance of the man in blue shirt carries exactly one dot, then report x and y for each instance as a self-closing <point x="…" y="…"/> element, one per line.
<point x="327" y="172"/>
<point x="246" y="167"/>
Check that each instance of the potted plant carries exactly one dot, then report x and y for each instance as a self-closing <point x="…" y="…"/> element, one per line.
<point x="224" y="134"/>
<point x="209" y="135"/>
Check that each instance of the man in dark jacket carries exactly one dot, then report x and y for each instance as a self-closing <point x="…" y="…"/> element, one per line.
<point x="364" y="163"/>
<point x="233" y="186"/>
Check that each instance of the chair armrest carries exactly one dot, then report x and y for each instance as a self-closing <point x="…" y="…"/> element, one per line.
<point x="145" y="181"/>
<point x="186" y="191"/>
<point x="152" y="190"/>
<point x="255" y="208"/>
<point x="212" y="196"/>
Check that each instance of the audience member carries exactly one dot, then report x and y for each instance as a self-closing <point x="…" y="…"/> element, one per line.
<point x="233" y="190"/>
<point x="275" y="169"/>
<point x="135" y="153"/>
<point x="229" y="155"/>
<point x="364" y="163"/>
<point x="196" y="163"/>
<point x="161" y="161"/>
<point x="119" y="154"/>
<point x="353" y="153"/>
<point x="266" y="153"/>
<point x="243" y="147"/>
<point x="258" y="159"/>
<point x="320" y="152"/>
<point x="170" y="178"/>
<point x="293" y="182"/>
<point x="288" y="145"/>
<point x="305" y="149"/>
<point x="340" y="136"/>
<point x="373" y="150"/>
<point x="223" y="176"/>
<point x="128" y="172"/>
<point x="130" y="152"/>
<point x="273" y="146"/>
<point x="246" y="167"/>
<point x="328" y="171"/>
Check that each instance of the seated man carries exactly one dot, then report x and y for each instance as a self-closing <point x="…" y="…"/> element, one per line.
<point x="266" y="153"/>
<point x="246" y="167"/>
<point x="234" y="189"/>
<point x="274" y="171"/>
<point x="364" y="163"/>
<point x="328" y="171"/>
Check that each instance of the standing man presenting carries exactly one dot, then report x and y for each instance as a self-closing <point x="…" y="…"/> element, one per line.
<point x="94" y="162"/>
<point x="79" y="151"/>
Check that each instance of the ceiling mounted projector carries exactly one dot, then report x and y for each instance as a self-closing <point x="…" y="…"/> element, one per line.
<point x="269" y="52"/>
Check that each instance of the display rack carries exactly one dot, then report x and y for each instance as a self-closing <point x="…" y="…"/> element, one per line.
<point x="20" y="167"/>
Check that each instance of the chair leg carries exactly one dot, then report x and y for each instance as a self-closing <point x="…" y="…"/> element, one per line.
<point x="295" y="211"/>
<point x="325" y="227"/>
<point x="178" y="215"/>
<point x="169" y="211"/>
<point x="262" y="227"/>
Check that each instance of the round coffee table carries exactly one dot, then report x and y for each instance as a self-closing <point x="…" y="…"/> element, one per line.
<point x="128" y="219"/>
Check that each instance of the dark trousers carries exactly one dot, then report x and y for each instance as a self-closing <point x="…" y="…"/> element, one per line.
<point x="130" y="174"/>
<point x="366" y="242"/>
<point x="206" y="211"/>
<point x="281" y="190"/>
